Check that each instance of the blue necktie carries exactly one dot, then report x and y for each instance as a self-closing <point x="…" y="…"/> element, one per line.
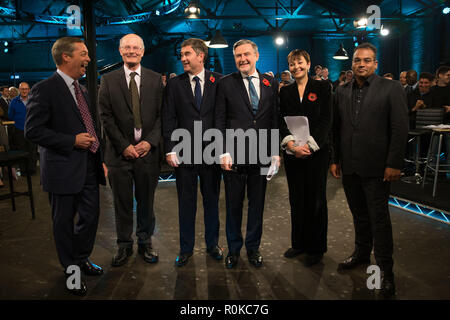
<point x="198" y="92"/>
<point x="253" y="95"/>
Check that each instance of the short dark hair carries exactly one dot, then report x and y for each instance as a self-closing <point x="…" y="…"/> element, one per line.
<point x="426" y="75"/>
<point x="367" y="45"/>
<point x="441" y="70"/>
<point x="297" y="53"/>
<point x="388" y="75"/>
<point x="198" y="45"/>
<point x="63" y="45"/>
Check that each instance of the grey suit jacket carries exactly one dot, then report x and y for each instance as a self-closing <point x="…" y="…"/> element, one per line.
<point x="378" y="139"/>
<point x="116" y="114"/>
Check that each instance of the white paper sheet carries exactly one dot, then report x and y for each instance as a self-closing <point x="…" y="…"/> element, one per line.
<point x="299" y="127"/>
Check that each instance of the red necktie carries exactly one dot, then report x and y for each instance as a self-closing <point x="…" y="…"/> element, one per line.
<point x="86" y="115"/>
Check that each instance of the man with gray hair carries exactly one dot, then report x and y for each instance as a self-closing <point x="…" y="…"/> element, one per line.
<point x="130" y="105"/>
<point x="62" y="122"/>
<point x="247" y="101"/>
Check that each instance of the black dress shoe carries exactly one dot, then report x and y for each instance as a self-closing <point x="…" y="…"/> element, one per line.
<point x="387" y="285"/>
<point x="291" y="253"/>
<point x="121" y="257"/>
<point x="255" y="258"/>
<point x="312" y="259"/>
<point x="231" y="260"/>
<point x="81" y="292"/>
<point x="147" y="253"/>
<point x="215" y="252"/>
<point x="182" y="259"/>
<point x="90" y="269"/>
<point x="352" y="262"/>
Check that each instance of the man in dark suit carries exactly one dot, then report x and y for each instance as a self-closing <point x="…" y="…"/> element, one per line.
<point x="189" y="99"/>
<point x="61" y="121"/>
<point x="130" y="104"/>
<point x="370" y="131"/>
<point x="246" y="100"/>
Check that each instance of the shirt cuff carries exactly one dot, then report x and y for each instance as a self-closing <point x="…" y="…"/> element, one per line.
<point x="225" y="155"/>
<point x="312" y="144"/>
<point x="286" y="140"/>
<point x="169" y="153"/>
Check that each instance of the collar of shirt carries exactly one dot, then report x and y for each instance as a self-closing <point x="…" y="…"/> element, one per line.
<point x="69" y="82"/>
<point x="137" y="77"/>
<point x="367" y="82"/>
<point x="255" y="75"/>
<point x="255" y="81"/>
<point x="201" y="76"/>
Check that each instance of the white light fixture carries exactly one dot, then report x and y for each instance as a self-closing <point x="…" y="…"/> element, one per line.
<point x="192" y="11"/>
<point x="384" y="32"/>
<point x="361" y="23"/>
<point x="279" y="40"/>
<point x="446" y="10"/>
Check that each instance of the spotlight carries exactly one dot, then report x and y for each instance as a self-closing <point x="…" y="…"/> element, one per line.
<point x="5" y="43"/>
<point x="6" y="50"/>
<point x="361" y="23"/>
<point x="279" y="40"/>
<point x="157" y="12"/>
<point x="384" y="32"/>
<point x="446" y="10"/>
<point x="192" y="11"/>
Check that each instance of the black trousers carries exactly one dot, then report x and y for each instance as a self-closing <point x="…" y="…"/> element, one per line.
<point x="307" y="181"/>
<point x="74" y="234"/>
<point x="144" y="177"/>
<point x="187" y="182"/>
<point x="250" y="178"/>
<point x="368" y="201"/>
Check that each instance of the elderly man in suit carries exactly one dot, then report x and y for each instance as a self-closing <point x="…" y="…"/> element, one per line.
<point x="370" y="131"/>
<point x="130" y="104"/>
<point x="246" y="100"/>
<point x="63" y="123"/>
<point x="189" y="101"/>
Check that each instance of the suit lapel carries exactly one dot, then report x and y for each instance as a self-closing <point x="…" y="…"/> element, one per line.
<point x="185" y="83"/>
<point x="239" y="82"/>
<point x="263" y="92"/>
<point x="206" y="91"/>
<point x="121" y="79"/>
<point x="62" y="87"/>
<point x="348" y="103"/>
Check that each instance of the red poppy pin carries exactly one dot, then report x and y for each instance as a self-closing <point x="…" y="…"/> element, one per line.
<point x="266" y="82"/>
<point x="312" y="97"/>
<point x="212" y="79"/>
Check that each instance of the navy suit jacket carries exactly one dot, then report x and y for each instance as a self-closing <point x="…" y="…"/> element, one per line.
<point x="53" y="120"/>
<point x="180" y="111"/>
<point x="234" y="111"/>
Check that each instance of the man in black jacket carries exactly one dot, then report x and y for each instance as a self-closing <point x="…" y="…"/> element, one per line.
<point x="246" y="101"/>
<point x="369" y="139"/>
<point x="189" y="101"/>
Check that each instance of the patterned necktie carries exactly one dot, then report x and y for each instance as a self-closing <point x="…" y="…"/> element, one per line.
<point x="86" y="115"/>
<point x="198" y="92"/>
<point x="253" y="95"/>
<point x="135" y="102"/>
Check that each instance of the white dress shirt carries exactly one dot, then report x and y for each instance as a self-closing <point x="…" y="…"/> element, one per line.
<point x="69" y="82"/>
<point x="137" y="79"/>
<point x="201" y="76"/>
<point x="255" y="81"/>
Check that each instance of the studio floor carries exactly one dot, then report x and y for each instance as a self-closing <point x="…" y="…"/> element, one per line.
<point x="29" y="267"/>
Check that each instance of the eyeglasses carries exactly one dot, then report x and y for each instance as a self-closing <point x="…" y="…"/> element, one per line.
<point x="366" y="60"/>
<point x="128" y="48"/>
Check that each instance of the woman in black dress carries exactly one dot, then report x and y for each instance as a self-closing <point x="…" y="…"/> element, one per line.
<point x="306" y="165"/>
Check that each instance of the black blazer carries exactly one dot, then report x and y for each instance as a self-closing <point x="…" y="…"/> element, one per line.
<point x="234" y="111"/>
<point x="316" y="105"/>
<point x="4" y="109"/>
<point x="116" y="114"/>
<point x="53" y="120"/>
<point x="179" y="109"/>
<point x="378" y="139"/>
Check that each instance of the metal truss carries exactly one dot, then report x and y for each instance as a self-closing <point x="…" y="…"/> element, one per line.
<point x="420" y="209"/>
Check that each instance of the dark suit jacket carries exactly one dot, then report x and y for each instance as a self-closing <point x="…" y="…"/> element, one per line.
<point x="116" y="114"/>
<point x="180" y="111"/>
<point x="234" y="111"/>
<point x="53" y="120"/>
<point x="379" y="138"/>
<point x="316" y="106"/>
<point x="4" y="110"/>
